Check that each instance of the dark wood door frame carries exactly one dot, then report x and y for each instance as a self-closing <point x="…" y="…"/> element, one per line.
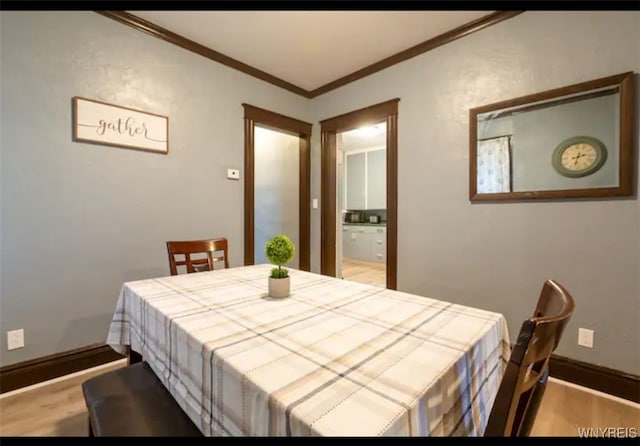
<point x="382" y="112"/>
<point x="254" y="115"/>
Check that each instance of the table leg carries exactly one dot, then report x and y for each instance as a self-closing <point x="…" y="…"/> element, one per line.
<point x="133" y="357"/>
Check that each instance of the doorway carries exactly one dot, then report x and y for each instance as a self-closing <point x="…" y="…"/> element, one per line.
<point x="347" y="197"/>
<point x="362" y="211"/>
<point x="276" y="184"/>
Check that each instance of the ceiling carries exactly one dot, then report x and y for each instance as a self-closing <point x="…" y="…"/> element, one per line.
<point x="363" y="138"/>
<point x="309" y="48"/>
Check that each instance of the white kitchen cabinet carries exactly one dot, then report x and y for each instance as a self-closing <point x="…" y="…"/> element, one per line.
<point x="356" y="165"/>
<point x="348" y="247"/>
<point x="368" y="243"/>
<point x="356" y="243"/>
<point x="378" y="242"/>
<point x="366" y="179"/>
<point x="377" y="179"/>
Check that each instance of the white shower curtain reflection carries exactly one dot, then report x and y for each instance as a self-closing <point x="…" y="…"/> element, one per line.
<point x="494" y="165"/>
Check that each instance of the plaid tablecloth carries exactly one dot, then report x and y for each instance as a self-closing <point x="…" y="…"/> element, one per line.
<point x="336" y="358"/>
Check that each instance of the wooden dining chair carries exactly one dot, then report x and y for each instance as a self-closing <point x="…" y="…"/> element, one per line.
<point x="191" y="247"/>
<point x="525" y="378"/>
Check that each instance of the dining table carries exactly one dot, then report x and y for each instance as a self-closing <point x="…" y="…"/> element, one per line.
<point x="334" y="358"/>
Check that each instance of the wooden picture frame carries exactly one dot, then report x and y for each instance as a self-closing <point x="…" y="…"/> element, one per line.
<point x="98" y="122"/>
<point x="620" y="84"/>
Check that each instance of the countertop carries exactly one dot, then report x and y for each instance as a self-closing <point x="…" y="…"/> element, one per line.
<point x="383" y="224"/>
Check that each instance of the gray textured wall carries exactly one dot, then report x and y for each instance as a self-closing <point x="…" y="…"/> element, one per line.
<point x="496" y="256"/>
<point x="78" y="219"/>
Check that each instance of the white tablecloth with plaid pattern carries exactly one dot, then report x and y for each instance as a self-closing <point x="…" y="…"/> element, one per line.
<point x="336" y="358"/>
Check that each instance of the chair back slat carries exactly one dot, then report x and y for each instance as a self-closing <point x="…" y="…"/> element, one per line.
<point x="190" y="247"/>
<point x="527" y="371"/>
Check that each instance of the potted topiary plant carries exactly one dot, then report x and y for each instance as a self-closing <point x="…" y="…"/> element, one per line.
<point x="279" y="250"/>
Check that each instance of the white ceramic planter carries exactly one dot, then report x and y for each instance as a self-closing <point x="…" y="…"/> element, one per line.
<point x="279" y="287"/>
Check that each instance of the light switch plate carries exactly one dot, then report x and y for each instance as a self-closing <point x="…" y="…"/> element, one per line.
<point x="315" y="203"/>
<point x="585" y="337"/>
<point x="15" y="339"/>
<point x="233" y="174"/>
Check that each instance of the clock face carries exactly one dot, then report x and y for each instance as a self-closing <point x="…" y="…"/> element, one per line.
<point x="579" y="156"/>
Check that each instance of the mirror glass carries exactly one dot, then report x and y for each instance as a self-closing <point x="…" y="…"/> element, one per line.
<point x="544" y="143"/>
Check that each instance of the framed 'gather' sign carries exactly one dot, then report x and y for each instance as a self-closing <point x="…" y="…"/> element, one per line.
<point x="113" y="125"/>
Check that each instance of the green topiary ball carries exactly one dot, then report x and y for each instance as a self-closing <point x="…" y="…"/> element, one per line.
<point x="279" y="250"/>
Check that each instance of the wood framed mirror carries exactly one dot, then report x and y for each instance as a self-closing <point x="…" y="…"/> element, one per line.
<point x="569" y="142"/>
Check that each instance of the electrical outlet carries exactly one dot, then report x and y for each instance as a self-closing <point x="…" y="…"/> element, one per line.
<point x="233" y="174"/>
<point x="15" y="339"/>
<point x="585" y="337"/>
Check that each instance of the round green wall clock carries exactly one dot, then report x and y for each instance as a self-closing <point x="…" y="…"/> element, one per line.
<point x="579" y="156"/>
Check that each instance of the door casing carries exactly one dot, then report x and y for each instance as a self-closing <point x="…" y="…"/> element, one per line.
<point x="382" y="112"/>
<point x="255" y="115"/>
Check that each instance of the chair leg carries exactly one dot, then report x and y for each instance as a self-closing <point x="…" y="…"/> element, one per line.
<point x="90" y="428"/>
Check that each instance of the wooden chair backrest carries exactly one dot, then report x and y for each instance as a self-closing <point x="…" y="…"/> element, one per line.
<point x="190" y="247"/>
<point x="525" y="377"/>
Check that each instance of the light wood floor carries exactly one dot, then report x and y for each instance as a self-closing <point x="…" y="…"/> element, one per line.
<point x="58" y="409"/>
<point x="565" y="408"/>
<point x="55" y="409"/>
<point x="364" y="272"/>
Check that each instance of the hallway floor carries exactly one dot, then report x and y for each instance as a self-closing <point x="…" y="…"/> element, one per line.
<point x="364" y="272"/>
